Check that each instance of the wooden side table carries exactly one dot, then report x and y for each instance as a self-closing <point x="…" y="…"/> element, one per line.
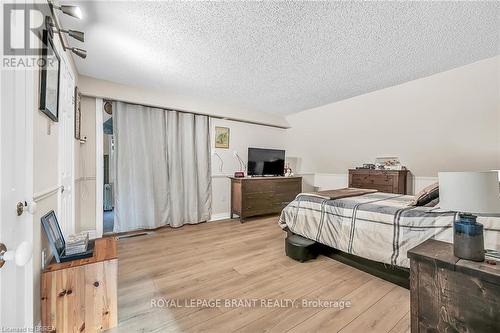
<point x="449" y="294"/>
<point x="81" y="295"/>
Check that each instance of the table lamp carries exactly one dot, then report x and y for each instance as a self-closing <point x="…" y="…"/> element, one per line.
<point x="469" y="193"/>
<point x="242" y="165"/>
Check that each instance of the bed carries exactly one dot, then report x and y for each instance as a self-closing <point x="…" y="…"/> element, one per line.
<point x="376" y="226"/>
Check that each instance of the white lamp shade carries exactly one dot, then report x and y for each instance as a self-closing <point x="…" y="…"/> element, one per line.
<point x="469" y="192"/>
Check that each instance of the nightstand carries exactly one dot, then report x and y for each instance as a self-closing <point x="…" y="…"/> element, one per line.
<point x="449" y="294"/>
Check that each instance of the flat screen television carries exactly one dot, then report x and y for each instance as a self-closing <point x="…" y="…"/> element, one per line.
<point x="266" y="162"/>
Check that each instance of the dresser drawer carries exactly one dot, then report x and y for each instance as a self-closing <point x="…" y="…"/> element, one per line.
<point x="388" y="181"/>
<point x="262" y="199"/>
<point x="374" y="179"/>
<point x="257" y="186"/>
<point x="275" y="186"/>
<point x="380" y="188"/>
<point x="283" y="199"/>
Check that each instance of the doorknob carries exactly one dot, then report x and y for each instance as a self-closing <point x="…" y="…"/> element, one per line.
<point x="21" y="255"/>
<point x="20" y="207"/>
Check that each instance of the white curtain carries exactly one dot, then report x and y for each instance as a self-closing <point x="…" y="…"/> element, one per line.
<point x="162" y="164"/>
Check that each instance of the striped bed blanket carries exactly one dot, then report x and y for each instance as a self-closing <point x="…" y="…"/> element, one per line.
<point x="377" y="226"/>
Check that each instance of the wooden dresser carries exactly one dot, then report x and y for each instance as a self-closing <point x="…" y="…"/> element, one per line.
<point x="448" y="294"/>
<point x="388" y="181"/>
<point x="253" y="196"/>
<point x="81" y="295"/>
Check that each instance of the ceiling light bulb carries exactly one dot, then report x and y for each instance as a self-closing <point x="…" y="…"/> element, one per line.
<point x="74" y="11"/>
<point x="79" y="52"/>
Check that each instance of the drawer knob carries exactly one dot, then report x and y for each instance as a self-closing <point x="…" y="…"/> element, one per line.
<point x="96" y="284"/>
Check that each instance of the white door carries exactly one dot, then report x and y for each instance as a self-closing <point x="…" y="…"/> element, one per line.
<point x="16" y="185"/>
<point x="66" y="201"/>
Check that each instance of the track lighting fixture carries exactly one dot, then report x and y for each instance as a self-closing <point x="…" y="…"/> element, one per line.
<point x="54" y="22"/>
<point x="79" y="52"/>
<point x="78" y="35"/>
<point x="74" y="11"/>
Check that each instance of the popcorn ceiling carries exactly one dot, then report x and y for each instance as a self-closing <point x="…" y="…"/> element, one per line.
<point x="280" y="57"/>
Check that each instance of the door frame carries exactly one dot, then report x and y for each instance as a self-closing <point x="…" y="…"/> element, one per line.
<point x="64" y="125"/>
<point x="31" y="95"/>
<point x="25" y="103"/>
<point x="99" y="171"/>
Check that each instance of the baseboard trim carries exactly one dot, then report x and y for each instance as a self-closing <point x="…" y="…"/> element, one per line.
<point x="218" y="217"/>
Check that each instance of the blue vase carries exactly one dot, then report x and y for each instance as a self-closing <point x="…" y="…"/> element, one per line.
<point x="468" y="239"/>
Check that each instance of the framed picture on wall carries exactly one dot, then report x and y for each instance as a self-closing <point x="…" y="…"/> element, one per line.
<point x="78" y="114"/>
<point x="221" y="137"/>
<point x="49" y="82"/>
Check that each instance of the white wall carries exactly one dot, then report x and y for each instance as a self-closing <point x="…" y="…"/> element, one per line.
<point x="85" y="165"/>
<point x="448" y="121"/>
<point x="45" y="175"/>
<point x="445" y="122"/>
<point x="163" y="99"/>
<point x="241" y="136"/>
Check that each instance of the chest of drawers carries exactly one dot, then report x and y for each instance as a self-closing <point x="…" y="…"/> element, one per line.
<point x="388" y="181"/>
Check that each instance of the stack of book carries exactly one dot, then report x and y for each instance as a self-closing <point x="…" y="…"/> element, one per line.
<point x="77" y="243"/>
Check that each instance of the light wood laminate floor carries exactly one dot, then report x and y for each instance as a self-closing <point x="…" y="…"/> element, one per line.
<point x="226" y="260"/>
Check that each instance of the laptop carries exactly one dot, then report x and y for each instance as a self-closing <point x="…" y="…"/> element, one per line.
<point x="56" y="240"/>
